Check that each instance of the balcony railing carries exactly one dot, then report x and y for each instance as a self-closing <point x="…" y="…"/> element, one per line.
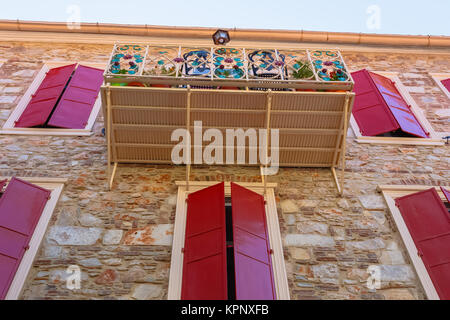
<point x="224" y="67"/>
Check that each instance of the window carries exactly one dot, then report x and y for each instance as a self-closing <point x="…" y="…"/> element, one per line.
<point x="217" y="241"/>
<point x="62" y="100"/>
<point x="26" y="207"/>
<point x="443" y="82"/>
<point x="422" y="217"/>
<point x="384" y="112"/>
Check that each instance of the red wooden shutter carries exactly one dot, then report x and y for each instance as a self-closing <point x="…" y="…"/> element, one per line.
<point x="369" y="109"/>
<point x="428" y="222"/>
<point x="205" y="257"/>
<point x="75" y="106"/>
<point x="398" y="106"/>
<point x="446" y="193"/>
<point x="44" y="100"/>
<point x="446" y="84"/>
<point x="252" y="258"/>
<point x="20" y="209"/>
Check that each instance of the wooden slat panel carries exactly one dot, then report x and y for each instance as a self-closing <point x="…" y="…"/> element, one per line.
<point x="144" y="118"/>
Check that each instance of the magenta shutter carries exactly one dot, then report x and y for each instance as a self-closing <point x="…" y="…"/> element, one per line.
<point x="20" y="209"/>
<point x="446" y="194"/>
<point x="252" y="258"/>
<point x="75" y="106"/>
<point x="205" y="258"/>
<point x="369" y="109"/>
<point x="446" y="84"/>
<point x="428" y="222"/>
<point x="398" y="106"/>
<point x="44" y="100"/>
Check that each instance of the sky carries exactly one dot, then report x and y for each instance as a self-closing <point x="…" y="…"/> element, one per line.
<point x="415" y="17"/>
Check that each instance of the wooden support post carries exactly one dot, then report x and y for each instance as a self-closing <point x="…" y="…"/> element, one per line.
<point x="188" y="126"/>
<point x="268" y="108"/>
<point x="108" y="128"/>
<point x="336" y="180"/>
<point x="111" y="179"/>
<point x="344" y="141"/>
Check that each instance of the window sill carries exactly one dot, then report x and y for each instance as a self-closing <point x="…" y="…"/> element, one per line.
<point x="402" y="141"/>
<point x="47" y="132"/>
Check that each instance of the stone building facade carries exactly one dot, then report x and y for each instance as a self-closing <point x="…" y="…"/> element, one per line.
<point x="329" y="241"/>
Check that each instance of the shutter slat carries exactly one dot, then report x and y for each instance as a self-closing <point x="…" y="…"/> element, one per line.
<point x="428" y="223"/>
<point x="398" y="106"/>
<point x="252" y="259"/>
<point x="43" y="101"/>
<point x="20" y="209"/>
<point x="205" y="259"/>
<point x="369" y="110"/>
<point x="446" y="84"/>
<point x="446" y="193"/>
<point x="75" y="106"/>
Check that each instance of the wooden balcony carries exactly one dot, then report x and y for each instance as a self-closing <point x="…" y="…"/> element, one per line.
<point x="162" y="94"/>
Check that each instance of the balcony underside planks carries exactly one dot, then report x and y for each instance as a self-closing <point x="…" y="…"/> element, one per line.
<point x="312" y="125"/>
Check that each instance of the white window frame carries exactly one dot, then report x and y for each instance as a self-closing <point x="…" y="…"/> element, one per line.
<point x="438" y="77"/>
<point x="435" y="137"/>
<point x="8" y="127"/>
<point x="278" y="265"/>
<point x="55" y="185"/>
<point x="390" y="193"/>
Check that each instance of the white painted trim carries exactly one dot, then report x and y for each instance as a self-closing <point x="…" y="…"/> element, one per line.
<point x="56" y="188"/>
<point x="278" y="264"/>
<point x="390" y="193"/>
<point x="435" y="137"/>
<point x="8" y="127"/>
<point x="438" y="77"/>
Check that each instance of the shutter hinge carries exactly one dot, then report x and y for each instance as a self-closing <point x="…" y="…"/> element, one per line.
<point x="420" y="254"/>
<point x="270" y="251"/>
<point x="182" y="250"/>
<point x="26" y="247"/>
<point x="49" y="197"/>
<point x="265" y="202"/>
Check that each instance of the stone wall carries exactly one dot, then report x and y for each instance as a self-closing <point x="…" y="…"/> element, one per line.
<point x="121" y="239"/>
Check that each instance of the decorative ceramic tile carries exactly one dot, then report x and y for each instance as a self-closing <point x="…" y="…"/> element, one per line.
<point x="329" y="65"/>
<point x="229" y="63"/>
<point x="127" y="59"/>
<point x="162" y="61"/>
<point x="197" y="62"/>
